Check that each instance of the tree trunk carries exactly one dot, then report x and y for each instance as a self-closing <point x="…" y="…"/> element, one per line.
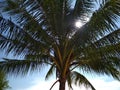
<point x="62" y="84"/>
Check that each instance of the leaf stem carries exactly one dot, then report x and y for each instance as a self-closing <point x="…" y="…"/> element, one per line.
<point x="53" y="84"/>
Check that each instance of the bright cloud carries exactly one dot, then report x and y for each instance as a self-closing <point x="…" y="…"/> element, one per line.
<point x="101" y="84"/>
<point x="37" y="83"/>
<point x="98" y="83"/>
<point x="46" y="86"/>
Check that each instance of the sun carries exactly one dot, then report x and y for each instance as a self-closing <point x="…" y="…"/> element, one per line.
<point x="78" y="24"/>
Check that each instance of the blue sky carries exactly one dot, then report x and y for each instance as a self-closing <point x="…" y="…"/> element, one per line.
<point x="37" y="82"/>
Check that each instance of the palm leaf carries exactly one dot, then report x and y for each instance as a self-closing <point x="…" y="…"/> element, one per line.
<point x="21" y="66"/>
<point x="110" y="39"/>
<point x="16" y="37"/>
<point x="99" y="60"/>
<point x="94" y="30"/>
<point x="83" y="7"/>
<point x="50" y="72"/>
<point x="81" y="80"/>
<point x="102" y="66"/>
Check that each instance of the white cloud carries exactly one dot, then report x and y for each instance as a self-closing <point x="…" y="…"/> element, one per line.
<point x="101" y="84"/>
<point x="38" y="85"/>
<point x="98" y="83"/>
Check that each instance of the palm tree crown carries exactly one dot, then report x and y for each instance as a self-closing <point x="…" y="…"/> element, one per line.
<point x="44" y="33"/>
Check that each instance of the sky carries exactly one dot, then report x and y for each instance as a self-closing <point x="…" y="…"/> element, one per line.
<point x="37" y="82"/>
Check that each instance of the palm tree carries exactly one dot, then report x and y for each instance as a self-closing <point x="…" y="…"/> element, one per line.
<point x="3" y="82"/>
<point x="44" y="34"/>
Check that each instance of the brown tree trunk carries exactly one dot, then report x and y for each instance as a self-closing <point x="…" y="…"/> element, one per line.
<point x="62" y="84"/>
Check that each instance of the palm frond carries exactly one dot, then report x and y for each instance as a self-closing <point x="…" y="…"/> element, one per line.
<point x="99" y="60"/>
<point x="83" y="7"/>
<point x="21" y="67"/>
<point x="81" y="80"/>
<point x="110" y="39"/>
<point x="12" y="35"/>
<point x="107" y="16"/>
<point x="105" y="66"/>
<point x="103" y="21"/>
<point x="69" y="82"/>
<point x="50" y="72"/>
<point x="30" y="18"/>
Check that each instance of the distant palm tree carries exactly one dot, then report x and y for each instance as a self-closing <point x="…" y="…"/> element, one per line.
<point x="3" y="82"/>
<point x="44" y="33"/>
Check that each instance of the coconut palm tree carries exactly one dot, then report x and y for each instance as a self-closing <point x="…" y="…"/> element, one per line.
<point x="43" y="32"/>
<point x="3" y="82"/>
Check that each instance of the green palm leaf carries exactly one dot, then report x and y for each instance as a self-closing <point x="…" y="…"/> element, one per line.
<point x="80" y="79"/>
<point x="50" y="72"/>
<point x="21" y="66"/>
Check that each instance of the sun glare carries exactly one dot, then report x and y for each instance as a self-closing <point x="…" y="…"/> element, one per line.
<point x="78" y="24"/>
